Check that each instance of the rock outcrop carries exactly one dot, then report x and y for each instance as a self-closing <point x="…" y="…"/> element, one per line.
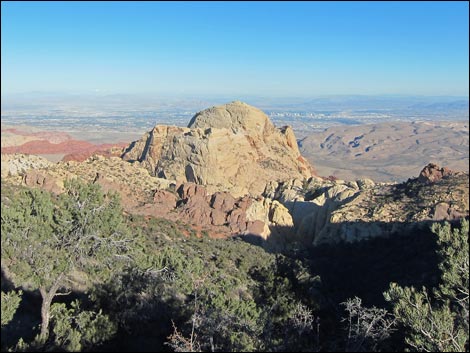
<point x="105" y="149"/>
<point x="236" y="116"/>
<point x="245" y="177"/>
<point x="243" y="215"/>
<point x="432" y="173"/>
<point x="219" y="213"/>
<point x="233" y="147"/>
<point x="18" y="164"/>
<point x="334" y="211"/>
<point x="55" y="145"/>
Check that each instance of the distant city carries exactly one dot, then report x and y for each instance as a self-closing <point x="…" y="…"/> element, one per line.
<point x="136" y="114"/>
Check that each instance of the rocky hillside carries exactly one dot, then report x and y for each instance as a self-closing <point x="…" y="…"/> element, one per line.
<point x="384" y="152"/>
<point x="312" y="210"/>
<point x="333" y="211"/>
<point x="232" y="172"/>
<point x="53" y="145"/>
<point x="219" y="214"/>
<point x="19" y="164"/>
<point x="233" y="147"/>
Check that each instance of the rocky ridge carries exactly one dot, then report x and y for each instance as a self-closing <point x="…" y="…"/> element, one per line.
<point x="218" y="213"/>
<point x="53" y="145"/>
<point x="333" y="211"/>
<point x="246" y="177"/>
<point x="16" y="164"/>
<point x="233" y="147"/>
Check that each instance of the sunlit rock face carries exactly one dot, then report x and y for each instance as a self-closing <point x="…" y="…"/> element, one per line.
<point x="232" y="147"/>
<point x="336" y="211"/>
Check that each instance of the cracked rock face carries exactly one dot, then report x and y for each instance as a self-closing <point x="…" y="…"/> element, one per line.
<point x="335" y="211"/>
<point x="17" y="164"/>
<point x="236" y="116"/>
<point x="232" y="147"/>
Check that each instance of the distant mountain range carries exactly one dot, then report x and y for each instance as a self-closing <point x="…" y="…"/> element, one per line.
<point x="443" y="106"/>
<point x="102" y="101"/>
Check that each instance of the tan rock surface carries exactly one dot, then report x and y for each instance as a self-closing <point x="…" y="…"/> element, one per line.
<point x="332" y="211"/>
<point x="432" y="173"/>
<point x="18" y="164"/>
<point x="219" y="213"/>
<point x="233" y="147"/>
<point x="236" y="116"/>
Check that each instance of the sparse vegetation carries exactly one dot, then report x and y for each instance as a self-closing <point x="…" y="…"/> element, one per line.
<point x="141" y="283"/>
<point x="437" y="320"/>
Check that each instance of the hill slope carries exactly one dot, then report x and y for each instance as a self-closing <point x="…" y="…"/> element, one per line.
<point x="389" y="151"/>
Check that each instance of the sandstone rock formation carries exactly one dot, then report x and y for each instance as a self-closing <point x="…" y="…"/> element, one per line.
<point x="46" y="147"/>
<point x="233" y="147"/>
<point x="243" y="215"/>
<point x="245" y="177"/>
<point x="18" y="164"/>
<point x="332" y="211"/>
<point x="105" y="149"/>
<point x="54" y="145"/>
<point x="220" y="214"/>
<point x="432" y="173"/>
<point x="135" y="184"/>
<point x="234" y="116"/>
<point x="12" y="137"/>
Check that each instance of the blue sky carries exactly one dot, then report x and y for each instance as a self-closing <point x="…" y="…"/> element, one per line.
<point x="259" y="48"/>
